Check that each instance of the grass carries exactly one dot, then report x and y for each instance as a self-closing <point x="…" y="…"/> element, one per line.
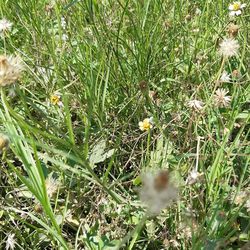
<point x="113" y="64"/>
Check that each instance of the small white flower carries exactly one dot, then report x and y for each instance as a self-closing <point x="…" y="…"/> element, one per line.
<point x="236" y="8"/>
<point x="175" y="243"/>
<point x="229" y="47"/>
<point x="11" y="68"/>
<point x="10" y="243"/>
<point x="157" y="191"/>
<point x="221" y="99"/>
<point x="195" y="104"/>
<point x="4" y="142"/>
<point x="233" y="29"/>
<point x="225" y="77"/>
<point x="5" y="25"/>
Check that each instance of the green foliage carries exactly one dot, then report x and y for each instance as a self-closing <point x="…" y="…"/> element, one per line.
<point x="112" y="64"/>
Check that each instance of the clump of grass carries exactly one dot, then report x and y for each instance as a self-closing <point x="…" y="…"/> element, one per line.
<point x="108" y="99"/>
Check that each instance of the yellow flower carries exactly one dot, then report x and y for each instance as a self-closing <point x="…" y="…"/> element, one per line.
<point x="146" y="124"/>
<point x="236" y="6"/>
<point x="56" y="100"/>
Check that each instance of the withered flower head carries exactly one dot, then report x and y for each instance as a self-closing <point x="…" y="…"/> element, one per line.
<point x="195" y="105"/>
<point x="233" y="29"/>
<point x="236" y="73"/>
<point x="167" y="24"/>
<point x="221" y="99"/>
<point x="10" y="69"/>
<point x="143" y="85"/>
<point x="4" y="142"/>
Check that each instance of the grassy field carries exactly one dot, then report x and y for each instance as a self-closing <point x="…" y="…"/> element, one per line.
<point x="124" y="124"/>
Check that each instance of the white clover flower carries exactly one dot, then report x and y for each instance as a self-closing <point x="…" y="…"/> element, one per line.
<point x="229" y="47"/>
<point x="10" y="242"/>
<point x="195" y="104"/>
<point x="157" y="191"/>
<point x="5" y="25"/>
<point x="236" y="8"/>
<point x="225" y="77"/>
<point x="52" y="185"/>
<point x="221" y="99"/>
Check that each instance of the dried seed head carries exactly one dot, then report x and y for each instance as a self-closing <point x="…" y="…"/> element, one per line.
<point x="4" y="142"/>
<point x="233" y="29"/>
<point x="49" y="8"/>
<point x="143" y="85"/>
<point x="38" y="208"/>
<point x="195" y="105"/>
<point x="221" y="99"/>
<point x="153" y="95"/>
<point x="236" y="73"/>
<point x="5" y="25"/>
<point x="10" y="69"/>
<point x="167" y="24"/>
<point x="225" y="77"/>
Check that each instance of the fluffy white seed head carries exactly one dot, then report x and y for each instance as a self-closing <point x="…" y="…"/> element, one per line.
<point x="229" y="47"/>
<point x="5" y="25"/>
<point x="221" y="99"/>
